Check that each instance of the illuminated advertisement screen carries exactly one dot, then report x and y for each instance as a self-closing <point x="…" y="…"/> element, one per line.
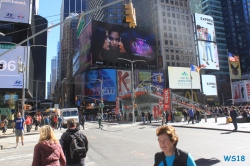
<point x="15" y="11"/>
<point x="241" y="91"/>
<point x="179" y="78"/>
<point x="206" y="38"/>
<point x="110" y="42"/>
<point x="9" y="74"/>
<point x="84" y="60"/>
<point x="93" y="80"/>
<point x="209" y="85"/>
<point x="155" y="80"/>
<point x="124" y="82"/>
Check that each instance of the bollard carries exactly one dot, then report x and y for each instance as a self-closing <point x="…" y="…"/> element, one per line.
<point x="215" y="118"/>
<point x="205" y="116"/>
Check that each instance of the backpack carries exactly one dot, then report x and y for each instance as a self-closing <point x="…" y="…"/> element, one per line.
<point x="77" y="147"/>
<point x="55" y="119"/>
<point x="46" y="120"/>
<point x="28" y="121"/>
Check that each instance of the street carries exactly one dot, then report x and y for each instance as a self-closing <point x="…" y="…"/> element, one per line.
<point x="127" y="144"/>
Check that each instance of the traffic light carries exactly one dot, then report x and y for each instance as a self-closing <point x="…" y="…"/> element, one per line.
<point x="159" y="79"/>
<point x="130" y="15"/>
<point x="1" y="66"/>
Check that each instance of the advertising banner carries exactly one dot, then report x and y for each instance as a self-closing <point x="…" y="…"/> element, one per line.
<point x="155" y="80"/>
<point x="167" y="99"/>
<point x="85" y="45"/>
<point x="124" y="82"/>
<point x="209" y="85"/>
<point x="110" y="42"/>
<point x="241" y="91"/>
<point x="117" y="105"/>
<point x="15" y="11"/>
<point x="206" y="38"/>
<point x="180" y="78"/>
<point x="234" y="67"/>
<point x="9" y="74"/>
<point x="92" y="81"/>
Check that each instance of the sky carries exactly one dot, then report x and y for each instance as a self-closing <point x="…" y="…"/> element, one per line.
<point x="50" y="9"/>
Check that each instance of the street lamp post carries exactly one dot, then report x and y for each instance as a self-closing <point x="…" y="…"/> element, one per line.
<point x="101" y="105"/>
<point x="21" y="69"/>
<point x="133" y="86"/>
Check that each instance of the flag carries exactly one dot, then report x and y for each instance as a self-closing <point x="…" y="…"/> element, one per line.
<point x="232" y="58"/>
<point x="194" y="68"/>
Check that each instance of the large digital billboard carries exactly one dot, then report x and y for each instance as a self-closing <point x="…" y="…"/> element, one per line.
<point x="206" y="39"/>
<point x="15" y="11"/>
<point x="110" y="42"/>
<point x="180" y="78"/>
<point x="155" y="80"/>
<point x="84" y="59"/>
<point x="209" y="85"/>
<point x="92" y="81"/>
<point x="241" y="91"/>
<point x="9" y="74"/>
<point x="124" y="82"/>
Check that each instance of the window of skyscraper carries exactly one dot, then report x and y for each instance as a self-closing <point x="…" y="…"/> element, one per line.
<point x="179" y="23"/>
<point x="178" y="16"/>
<point x="176" y="43"/>
<point x="163" y="7"/>
<point x="174" y="29"/>
<point x="185" y="44"/>
<point x="172" y="57"/>
<point x="172" y="2"/>
<point x="168" y="14"/>
<point x="167" y="56"/>
<point x="182" y="10"/>
<point x="173" y="15"/>
<point x="166" y="49"/>
<point x="167" y="1"/>
<point x="169" y="21"/>
<point x="186" y="51"/>
<point x="177" y="51"/>
<point x="176" y="2"/>
<point x="191" y="59"/>
<point x="164" y="20"/>
<point x="183" y="23"/>
<point x="180" y="44"/>
<point x="187" y="17"/>
<point x="167" y="7"/>
<point x="182" y="64"/>
<point x="182" y="58"/>
<point x="170" y="35"/>
<point x="173" y="63"/>
<point x="174" y="22"/>
<point x="185" y="37"/>
<point x="187" y="64"/>
<point x="177" y="10"/>
<point x="166" y="41"/>
<point x="170" y="28"/>
<point x="171" y="42"/>
<point x="165" y="34"/>
<point x="175" y="36"/>
<point x="163" y="14"/>
<point x="171" y="49"/>
<point x="177" y="57"/>
<point x="172" y="9"/>
<point x="181" y="4"/>
<point x="165" y="27"/>
<point x="178" y="64"/>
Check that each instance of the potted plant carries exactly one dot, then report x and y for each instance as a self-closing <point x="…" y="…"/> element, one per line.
<point x="178" y="116"/>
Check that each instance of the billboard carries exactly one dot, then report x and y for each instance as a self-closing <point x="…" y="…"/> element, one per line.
<point x="179" y="78"/>
<point x="209" y="85"/>
<point x="155" y="81"/>
<point x="167" y="99"/>
<point x="9" y="74"/>
<point x="15" y="11"/>
<point x="92" y="81"/>
<point x="206" y="39"/>
<point x="110" y="42"/>
<point x="241" y="91"/>
<point x="84" y="60"/>
<point x="124" y="82"/>
<point x="234" y="67"/>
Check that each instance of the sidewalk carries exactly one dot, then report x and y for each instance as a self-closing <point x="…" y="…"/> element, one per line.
<point x="9" y="132"/>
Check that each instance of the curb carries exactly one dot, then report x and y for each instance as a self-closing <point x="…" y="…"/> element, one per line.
<point x="207" y="128"/>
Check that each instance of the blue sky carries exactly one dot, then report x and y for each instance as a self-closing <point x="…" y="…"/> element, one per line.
<point x="47" y="9"/>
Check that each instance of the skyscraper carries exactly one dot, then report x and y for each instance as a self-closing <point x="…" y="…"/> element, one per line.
<point x="236" y="23"/>
<point x="172" y="26"/>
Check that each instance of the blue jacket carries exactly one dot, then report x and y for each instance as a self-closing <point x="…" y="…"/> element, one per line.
<point x="191" y="112"/>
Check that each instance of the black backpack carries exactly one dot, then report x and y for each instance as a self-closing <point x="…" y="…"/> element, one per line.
<point x="77" y="147"/>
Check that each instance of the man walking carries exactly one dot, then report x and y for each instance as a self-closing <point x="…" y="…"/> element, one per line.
<point x="191" y="115"/>
<point x="234" y="115"/>
<point x="18" y="127"/>
<point x="65" y="142"/>
<point x="99" y="118"/>
<point x="143" y="116"/>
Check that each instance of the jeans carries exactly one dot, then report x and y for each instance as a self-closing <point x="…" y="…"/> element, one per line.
<point x="191" y="118"/>
<point x="60" y="125"/>
<point x="235" y="124"/>
<point x="208" y="48"/>
<point x="143" y="119"/>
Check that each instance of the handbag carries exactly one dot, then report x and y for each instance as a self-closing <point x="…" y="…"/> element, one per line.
<point x="229" y="119"/>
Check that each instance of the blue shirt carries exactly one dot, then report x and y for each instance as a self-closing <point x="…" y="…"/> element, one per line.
<point x="191" y="113"/>
<point x="170" y="161"/>
<point x="19" y="123"/>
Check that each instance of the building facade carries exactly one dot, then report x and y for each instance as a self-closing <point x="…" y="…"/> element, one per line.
<point x="174" y="33"/>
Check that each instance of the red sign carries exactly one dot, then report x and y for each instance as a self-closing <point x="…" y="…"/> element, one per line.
<point x="167" y="99"/>
<point x="160" y="102"/>
<point x="117" y="105"/>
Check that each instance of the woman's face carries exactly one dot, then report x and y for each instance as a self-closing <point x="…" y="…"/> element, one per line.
<point x="121" y="47"/>
<point x="165" y="143"/>
<point x="106" y="42"/>
<point x="92" y="76"/>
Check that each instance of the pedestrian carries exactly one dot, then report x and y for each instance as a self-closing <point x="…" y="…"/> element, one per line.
<point x="125" y="116"/>
<point x="99" y="118"/>
<point x="46" y="120"/>
<point x="171" y="155"/>
<point x="5" y="123"/>
<point x="55" y="119"/>
<point x="172" y="115"/>
<point x="66" y="139"/>
<point x="143" y="116"/>
<point x="234" y="115"/>
<point x="18" y="128"/>
<point x="149" y="116"/>
<point x="59" y="122"/>
<point x="227" y="113"/>
<point x="191" y="115"/>
<point x="82" y="121"/>
<point x="197" y="116"/>
<point x="28" y="123"/>
<point x="167" y="114"/>
<point x="48" y="150"/>
<point x="184" y="112"/>
<point x="163" y="118"/>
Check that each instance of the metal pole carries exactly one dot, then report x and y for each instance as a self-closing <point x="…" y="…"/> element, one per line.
<point x="36" y="93"/>
<point x="101" y="98"/>
<point x="23" y="93"/>
<point x="133" y="93"/>
<point x="191" y="87"/>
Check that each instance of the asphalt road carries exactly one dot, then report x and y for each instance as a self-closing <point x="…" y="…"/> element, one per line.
<point x="127" y="145"/>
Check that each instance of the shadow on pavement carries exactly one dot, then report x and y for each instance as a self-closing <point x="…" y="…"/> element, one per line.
<point x="206" y="162"/>
<point x="229" y="132"/>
